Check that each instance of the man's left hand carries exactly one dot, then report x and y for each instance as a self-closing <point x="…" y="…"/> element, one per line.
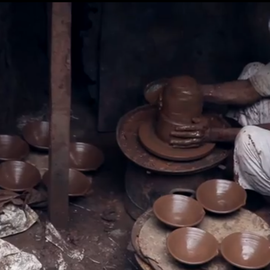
<point x="189" y="136"/>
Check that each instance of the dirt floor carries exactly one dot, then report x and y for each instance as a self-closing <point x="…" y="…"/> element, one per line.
<point x="98" y="223"/>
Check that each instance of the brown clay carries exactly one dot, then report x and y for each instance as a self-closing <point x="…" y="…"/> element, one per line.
<point x="221" y="196"/>
<point x="192" y="246"/>
<point x="180" y="101"/>
<point x="129" y="143"/>
<point x="79" y="184"/>
<point x="178" y="211"/>
<point x="161" y="149"/>
<point x="85" y="157"/>
<point x="18" y="176"/>
<point x="37" y="134"/>
<point x="246" y="250"/>
<point x="152" y="90"/>
<point x="12" y="148"/>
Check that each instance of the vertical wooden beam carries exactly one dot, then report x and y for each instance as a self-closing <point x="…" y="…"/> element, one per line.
<point x="60" y="75"/>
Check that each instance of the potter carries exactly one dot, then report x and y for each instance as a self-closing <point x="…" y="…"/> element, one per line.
<point x="179" y="102"/>
<point x="249" y="96"/>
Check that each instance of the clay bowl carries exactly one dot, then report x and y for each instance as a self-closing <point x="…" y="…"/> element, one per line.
<point x="85" y="157"/>
<point x="221" y="196"/>
<point x="18" y="175"/>
<point x="178" y="211"/>
<point x="192" y="246"/>
<point x="246" y="250"/>
<point x="79" y="184"/>
<point x="37" y="134"/>
<point x="12" y="148"/>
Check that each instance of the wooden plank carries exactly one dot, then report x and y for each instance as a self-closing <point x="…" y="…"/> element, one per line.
<point x="60" y="72"/>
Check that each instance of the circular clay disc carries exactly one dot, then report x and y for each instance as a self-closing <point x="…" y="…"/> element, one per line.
<point x="159" y="148"/>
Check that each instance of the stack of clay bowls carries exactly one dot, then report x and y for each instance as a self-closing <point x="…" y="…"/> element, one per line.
<point x="83" y="157"/>
<point x="193" y="246"/>
<point x="16" y="174"/>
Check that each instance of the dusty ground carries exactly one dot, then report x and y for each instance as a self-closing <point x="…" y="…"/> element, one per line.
<point x="98" y="223"/>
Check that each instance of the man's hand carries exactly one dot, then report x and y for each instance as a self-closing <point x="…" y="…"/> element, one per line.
<point x="190" y="136"/>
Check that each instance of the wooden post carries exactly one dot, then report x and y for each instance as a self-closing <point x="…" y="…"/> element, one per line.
<point x="60" y="82"/>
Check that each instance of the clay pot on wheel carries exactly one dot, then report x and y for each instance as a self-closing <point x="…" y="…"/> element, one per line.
<point x="180" y="101"/>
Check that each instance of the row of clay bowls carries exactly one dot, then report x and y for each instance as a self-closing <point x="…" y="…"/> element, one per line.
<point x="194" y="246"/>
<point x="17" y="175"/>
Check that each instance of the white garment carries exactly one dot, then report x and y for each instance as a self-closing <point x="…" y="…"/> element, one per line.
<point x="252" y="145"/>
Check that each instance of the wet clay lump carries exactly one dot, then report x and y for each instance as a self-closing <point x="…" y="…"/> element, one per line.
<point x="180" y="100"/>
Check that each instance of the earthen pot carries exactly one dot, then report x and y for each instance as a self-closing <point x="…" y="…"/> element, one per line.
<point x="85" y="157"/>
<point x="79" y="184"/>
<point x="221" y="196"/>
<point x="18" y="175"/>
<point x="12" y="148"/>
<point x="192" y="246"/>
<point x="37" y="134"/>
<point x="180" y="101"/>
<point x="178" y="211"/>
<point x="246" y="250"/>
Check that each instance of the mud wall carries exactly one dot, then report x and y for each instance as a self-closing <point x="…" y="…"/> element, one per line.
<point x="141" y="42"/>
<point x="23" y="61"/>
<point x="119" y="47"/>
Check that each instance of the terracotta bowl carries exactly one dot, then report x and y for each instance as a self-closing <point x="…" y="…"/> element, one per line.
<point x="85" y="157"/>
<point x="37" y="134"/>
<point x="246" y="250"/>
<point x="18" y="175"/>
<point x="221" y="196"/>
<point x="192" y="246"/>
<point x="12" y="148"/>
<point x="178" y="211"/>
<point x="79" y="184"/>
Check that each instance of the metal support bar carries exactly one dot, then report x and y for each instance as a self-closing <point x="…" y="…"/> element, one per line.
<point x="60" y="83"/>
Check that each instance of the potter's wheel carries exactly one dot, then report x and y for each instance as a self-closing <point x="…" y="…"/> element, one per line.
<point x="156" y="146"/>
<point x="148" y="238"/>
<point x="130" y="145"/>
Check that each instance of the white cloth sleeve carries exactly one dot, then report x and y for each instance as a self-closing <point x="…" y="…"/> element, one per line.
<point x="261" y="80"/>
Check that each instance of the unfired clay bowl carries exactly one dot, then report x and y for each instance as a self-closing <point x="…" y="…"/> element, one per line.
<point x="18" y="175"/>
<point x="12" y="148"/>
<point x="79" y="184"/>
<point x="246" y="250"/>
<point x="221" y="196"/>
<point x="178" y="211"/>
<point x="37" y="134"/>
<point x="192" y="246"/>
<point x="85" y="157"/>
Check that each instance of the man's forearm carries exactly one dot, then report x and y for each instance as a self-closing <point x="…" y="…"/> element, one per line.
<point x="228" y="134"/>
<point x="239" y="93"/>
<point x="223" y="134"/>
